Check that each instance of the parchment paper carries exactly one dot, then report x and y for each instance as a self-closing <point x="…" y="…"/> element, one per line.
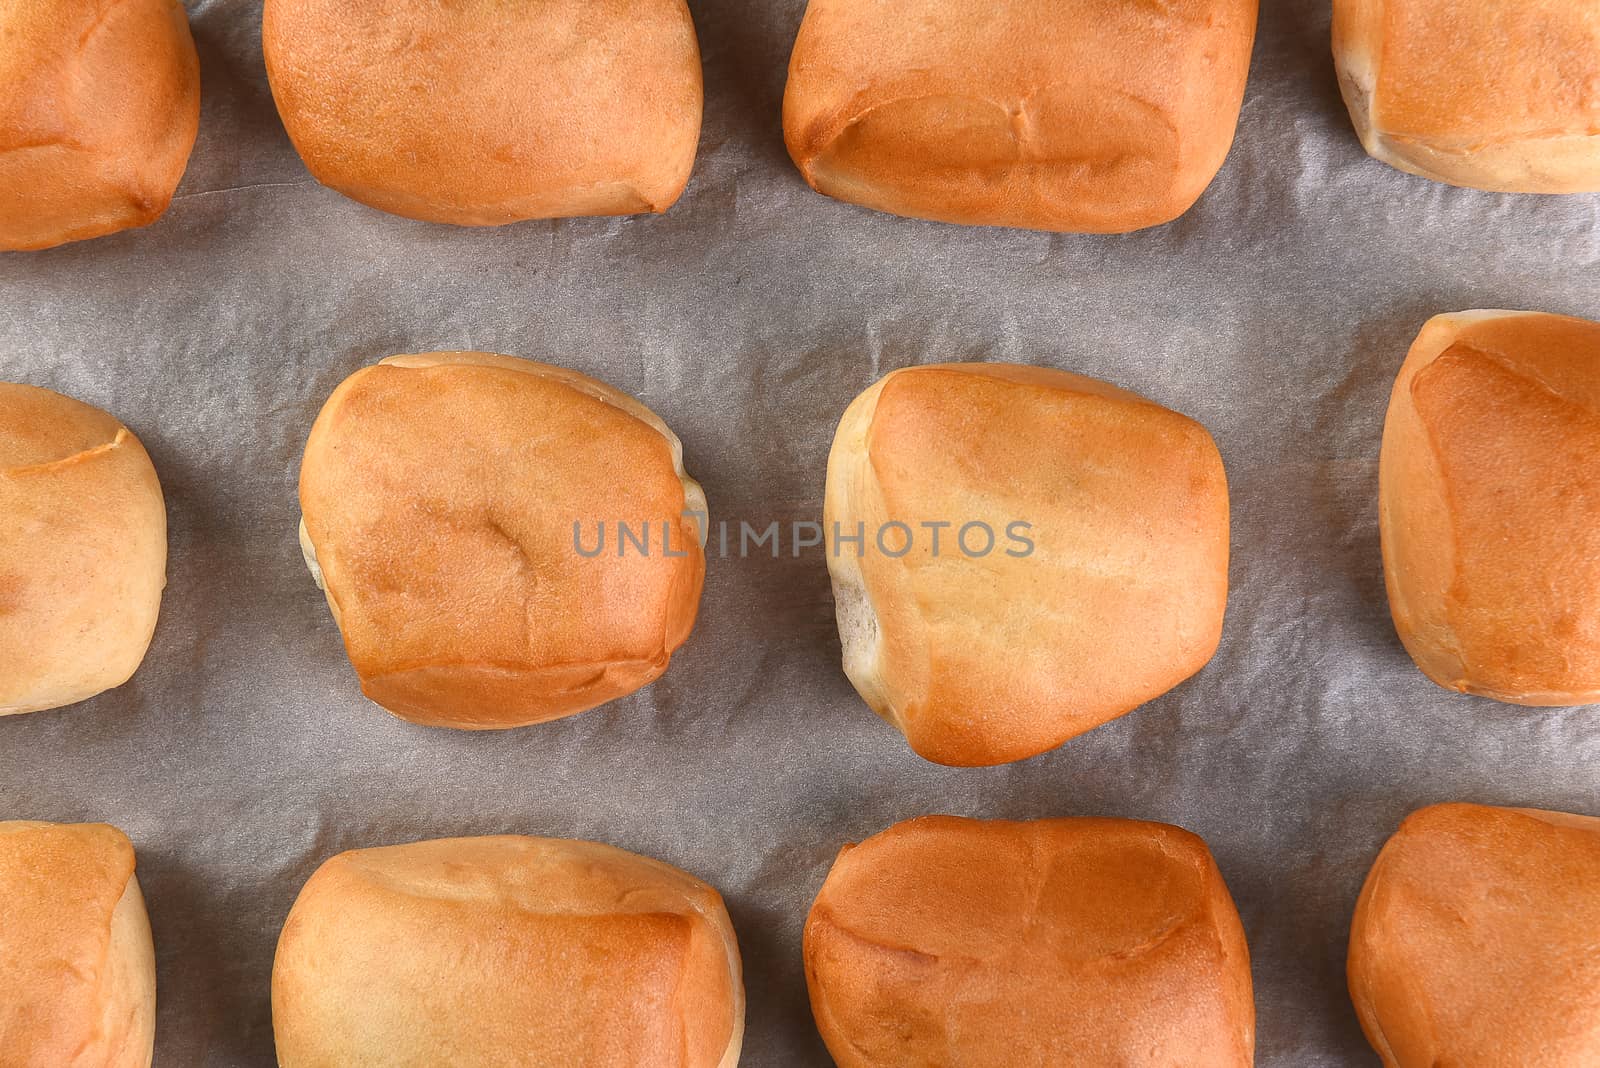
<point x="1276" y="312"/>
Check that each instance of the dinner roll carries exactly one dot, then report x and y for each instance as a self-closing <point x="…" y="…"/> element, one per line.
<point x="1489" y="505"/>
<point x="504" y="952"/>
<point x="83" y="550"/>
<point x="490" y="112"/>
<point x="77" y="970"/>
<point x="946" y="941"/>
<point x="1474" y="943"/>
<point x="1075" y="115"/>
<point x="99" y="106"/>
<point x="1034" y="553"/>
<point x="502" y="542"/>
<point x="1491" y="94"/>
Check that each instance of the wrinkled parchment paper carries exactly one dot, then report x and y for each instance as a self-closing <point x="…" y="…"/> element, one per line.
<point x="1276" y="312"/>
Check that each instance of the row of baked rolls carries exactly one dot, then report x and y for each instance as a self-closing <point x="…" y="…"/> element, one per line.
<point x="940" y="941"/>
<point x="1052" y="115"/>
<point x="1018" y="554"/>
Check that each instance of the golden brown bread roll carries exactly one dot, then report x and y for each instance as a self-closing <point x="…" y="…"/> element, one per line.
<point x="1491" y="94"/>
<point x="489" y="112"/>
<point x="983" y="658"/>
<point x="1489" y="505"/>
<point x="504" y="952"/>
<point x="83" y="550"/>
<point x="1093" y="942"/>
<point x="1068" y="115"/>
<point x="454" y="503"/>
<point x="77" y="968"/>
<point x="1474" y="943"/>
<point x="99" y="107"/>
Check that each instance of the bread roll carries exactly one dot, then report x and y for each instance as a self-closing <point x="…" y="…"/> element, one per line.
<point x="1069" y="115"/>
<point x="1489" y="506"/>
<point x="99" y="106"/>
<point x="1474" y="941"/>
<point x="464" y="513"/>
<point x="83" y="550"/>
<point x="946" y="941"/>
<point x="489" y="112"/>
<point x="77" y="969"/>
<point x="504" y="952"/>
<point x="1491" y="94"/>
<point x="1112" y="595"/>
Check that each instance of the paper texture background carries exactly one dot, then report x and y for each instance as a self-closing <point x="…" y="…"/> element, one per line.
<point x="1276" y="313"/>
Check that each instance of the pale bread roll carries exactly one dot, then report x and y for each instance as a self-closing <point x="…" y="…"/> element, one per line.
<point x="993" y="658"/>
<point x="1489" y="505"/>
<point x="77" y="967"/>
<point x="945" y="941"/>
<point x="1066" y="115"/>
<point x="506" y="952"/>
<point x="1490" y="94"/>
<point x="1476" y="941"/>
<point x="488" y="111"/>
<point x="446" y="497"/>
<point x="83" y="550"/>
<point x="99" y="107"/>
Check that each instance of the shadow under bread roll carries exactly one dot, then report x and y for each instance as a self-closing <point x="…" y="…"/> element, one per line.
<point x="502" y="542"/>
<point x="77" y="968"/>
<point x="1034" y="553"/>
<point x="503" y="952"/>
<point x="83" y="550"/>
<point x="1489" y="505"/>
<point x="490" y="112"/>
<point x="1064" y="115"/>
<point x="1094" y="942"/>
<point x="99" y="108"/>
<point x="1476" y="940"/>
<point x="1489" y="94"/>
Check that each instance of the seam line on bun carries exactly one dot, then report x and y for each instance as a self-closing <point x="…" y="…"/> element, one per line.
<point x="74" y="459"/>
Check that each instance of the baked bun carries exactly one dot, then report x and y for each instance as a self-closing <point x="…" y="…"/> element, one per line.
<point x="77" y="970"/>
<point x="1474" y="941"/>
<point x="501" y="952"/>
<point x="1108" y="571"/>
<point x="99" y="107"/>
<point x="1073" y="941"/>
<point x="490" y="112"/>
<point x="1490" y="94"/>
<point x="464" y="513"/>
<point x="1489" y="505"/>
<point x="83" y="550"/>
<point x="1070" y="115"/>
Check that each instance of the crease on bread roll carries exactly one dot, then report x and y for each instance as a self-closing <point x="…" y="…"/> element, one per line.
<point x="986" y="659"/>
<point x="1472" y="941"/>
<point x="565" y="951"/>
<point x="957" y="941"/>
<point x="486" y="114"/>
<point x="83" y="552"/>
<point x="1486" y="515"/>
<point x="76" y="959"/>
<point x="455" y="653"/>
<point x="99" y="109"/>
<point x="1026" y="113"/>
<point x="1484" y="95"/>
